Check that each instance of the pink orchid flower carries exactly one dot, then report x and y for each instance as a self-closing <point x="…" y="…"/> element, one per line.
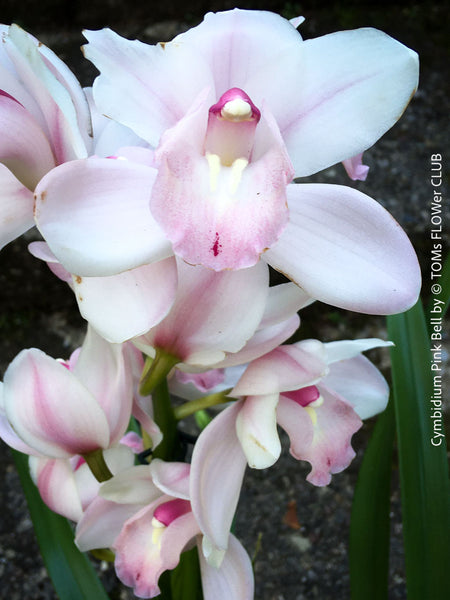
<point x="221" y="319"/>
<point x="144" y="514"/>
<point x="318" y="393"/>
<point x="121" y="306"/>
<point x="227" y="145"/>
<point x="62" y="409"/>
<point x="67" y="485"/>
<point x="44" y="120"/>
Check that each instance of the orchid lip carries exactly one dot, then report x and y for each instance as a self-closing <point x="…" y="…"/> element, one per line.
<point x="167" y="512"/>
<point x="307" y="396"/>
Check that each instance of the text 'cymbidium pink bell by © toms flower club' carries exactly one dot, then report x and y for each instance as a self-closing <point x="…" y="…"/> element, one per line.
<point x="164" y="196"/>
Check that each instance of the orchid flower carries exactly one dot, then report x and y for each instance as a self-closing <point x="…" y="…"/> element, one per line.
<point x="119" y="307"/>
<point x="44" y="119"/>
<point x="62" y="409"/>
<point x="318" y="393"/>
<point x="227" y="144"/>
<point x="144" y="514"/>
<point x="67" y="485"/>
<point x="220" y="319"/>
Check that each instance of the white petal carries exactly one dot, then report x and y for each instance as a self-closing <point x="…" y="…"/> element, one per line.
<point x="352" y="87"/>
<point x="123" y="306"/>
<point x="344" y="249"/>
<point x="95" y="217"/>
<point x="360" y="383"/>
<point x="342" y="350"/>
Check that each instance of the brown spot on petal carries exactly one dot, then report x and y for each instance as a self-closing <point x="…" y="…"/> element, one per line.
<point x="78" y="279"/>
<point x="43" y="196"/>
<point x="290" y="518"/>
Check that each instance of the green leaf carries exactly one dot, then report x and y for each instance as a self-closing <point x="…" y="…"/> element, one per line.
<point x="202" y="419"/>
<point x="186" y="578"/>
<point x="370" y="524"/>
<point x="416" y="373"/>
<point x="71" y="572"/>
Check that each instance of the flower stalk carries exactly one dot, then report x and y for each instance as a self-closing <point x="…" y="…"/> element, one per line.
<point x="156" y="370"/>
<point x="189" y="408"/>
<point x="97" y="464"/>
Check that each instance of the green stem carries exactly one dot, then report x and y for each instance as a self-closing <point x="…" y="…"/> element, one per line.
<point x="156" y="370"/>
<point x="163" y="415"/>
<point x="97" y="464"/>
<point x="189" y="408"/>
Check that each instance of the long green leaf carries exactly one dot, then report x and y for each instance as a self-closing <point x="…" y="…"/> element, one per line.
<point x="370" y="524"/>
<point x="422" y="455"/>
<point x="186" y="579"/>
<point x="71" y="572"/>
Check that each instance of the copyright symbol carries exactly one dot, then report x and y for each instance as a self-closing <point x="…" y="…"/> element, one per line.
<point x="436" y="289"/>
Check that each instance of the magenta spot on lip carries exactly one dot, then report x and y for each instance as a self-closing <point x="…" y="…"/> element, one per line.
<point x="216" y="248"/>
<point x="304" y="396"/>
<point x="167" y="512"/>
<point x="230" y="95"/>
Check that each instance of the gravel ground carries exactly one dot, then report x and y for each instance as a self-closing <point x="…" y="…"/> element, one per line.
<point x="304" y="556"/>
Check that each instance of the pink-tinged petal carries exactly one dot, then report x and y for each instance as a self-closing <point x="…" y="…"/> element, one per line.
<point x="294" y="419"/>
<point x="57" y="487"/>
<point x="233" y="580"/>
<point x="131" y="486"/>
<point x="102" y="523"/>
<point x="42" y="251"/>
<point x="146" y="88"/>
<point x="7" y="433"/>
<point x="217" y="470"/>
<point x="171" y="478"/>
<point x="285" y="368"/>
<point x="24" y="148"/>
<point x="104" y="370"/>
<point x="220" y="216"/>
<point x="50" y="409"/>
<point x="360" y="384"/>
<point x="238" y="43"/>
<point x="256" y="428"/>
<point x="117" y="458"/>
<point x="94" y="216"/>
<point x="16" y="207"/>
<point x="144" y="552"/>
<point x="123" y="306"/>
<point x="344" y="249"/>
<point x="351" y="88"/>
<point x="204" y="382"/>
<point x="142" y="405"/>
<point x="264" y="341"/>
<point x="345" y="349"/>
<point x="109" y="135"/>
<point x="297" y="21"/>
<point x="143" y="411"/>
<point x="355" y="169"/>
<point x="213" y="313"/>
<point x="333" y="424"/>
<point x="283" y="301"/>
<point x="64" y="110"/>
<point x="134" y="441"/>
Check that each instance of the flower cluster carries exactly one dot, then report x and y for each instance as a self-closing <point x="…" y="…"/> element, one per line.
<point x="164" y="195"/>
